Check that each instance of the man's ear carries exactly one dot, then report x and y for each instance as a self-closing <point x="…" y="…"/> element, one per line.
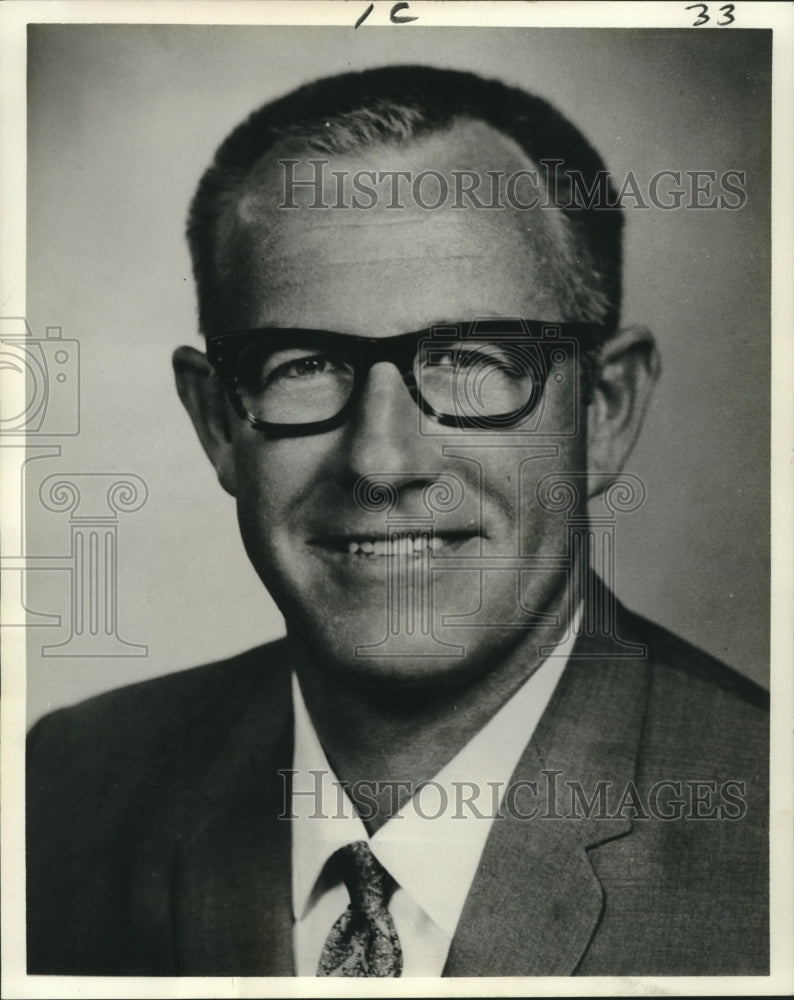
<point x="205" y="400"/>
<point x="622" y="383"/>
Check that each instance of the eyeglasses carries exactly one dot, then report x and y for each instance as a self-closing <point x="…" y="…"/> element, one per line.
<point x="481" y="374"/>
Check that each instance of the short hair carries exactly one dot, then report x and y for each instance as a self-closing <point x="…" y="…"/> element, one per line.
<point x="354" y="111"/>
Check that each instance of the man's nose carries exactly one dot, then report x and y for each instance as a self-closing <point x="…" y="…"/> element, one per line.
<point x="384" y="435"/>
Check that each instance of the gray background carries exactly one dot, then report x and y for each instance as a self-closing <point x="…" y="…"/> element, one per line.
<point x="122" y="121"/>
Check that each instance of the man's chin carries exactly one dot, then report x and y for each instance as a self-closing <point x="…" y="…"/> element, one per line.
<point x="381" y="660"/>
<point x="404" y="642"/>
<point x="373" y="656"/>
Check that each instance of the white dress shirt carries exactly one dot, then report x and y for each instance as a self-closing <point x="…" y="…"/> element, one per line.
<point x="431" y="847"/>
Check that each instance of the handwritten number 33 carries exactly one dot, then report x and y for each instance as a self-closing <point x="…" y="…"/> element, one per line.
<point x="703" y="16"/>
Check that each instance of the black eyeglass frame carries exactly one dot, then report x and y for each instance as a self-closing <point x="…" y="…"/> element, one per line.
<point x="363" y="352"/>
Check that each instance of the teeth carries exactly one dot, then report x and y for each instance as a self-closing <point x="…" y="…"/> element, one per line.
<point x="400" y="545"/>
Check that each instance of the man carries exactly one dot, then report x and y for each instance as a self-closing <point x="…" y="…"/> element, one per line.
<point x="412" y="396"/>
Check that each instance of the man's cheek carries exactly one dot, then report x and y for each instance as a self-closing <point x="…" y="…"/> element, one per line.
<point x="262" y="474"/>
<point x="262" y="510"/>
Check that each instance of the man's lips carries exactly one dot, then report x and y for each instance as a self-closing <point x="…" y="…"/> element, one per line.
<point x="397" y="544"/>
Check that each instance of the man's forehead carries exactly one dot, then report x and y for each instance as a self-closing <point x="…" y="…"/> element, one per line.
<point x="465" y="144"/>
<point x="407" y="181"/>
<point x="318" y="262"/>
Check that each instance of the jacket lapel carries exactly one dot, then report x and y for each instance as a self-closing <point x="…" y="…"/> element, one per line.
<point x="536" y="901"/>
<point x="232" y="889"/>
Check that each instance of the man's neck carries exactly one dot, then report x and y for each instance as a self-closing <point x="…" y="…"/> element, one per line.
<point x="406" y="736"/>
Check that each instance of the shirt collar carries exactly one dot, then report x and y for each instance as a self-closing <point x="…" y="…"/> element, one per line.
<point x="432" y="846"/>
<point x="324" y="817"/>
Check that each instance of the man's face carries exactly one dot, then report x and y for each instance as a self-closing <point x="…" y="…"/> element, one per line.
<point x="379" y="273"/>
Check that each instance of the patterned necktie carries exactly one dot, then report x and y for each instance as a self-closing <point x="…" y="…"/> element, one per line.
<point x="363" y="941"/>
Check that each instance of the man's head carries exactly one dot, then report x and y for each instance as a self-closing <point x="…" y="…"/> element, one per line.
<point x="494" y="570"/>
<point x="391" y="107"/>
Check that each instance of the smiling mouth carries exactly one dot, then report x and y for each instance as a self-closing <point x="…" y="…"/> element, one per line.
<point x="405" y="545"/>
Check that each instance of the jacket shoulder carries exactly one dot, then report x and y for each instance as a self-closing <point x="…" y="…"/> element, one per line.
<point x="157" y="718"/>
<point x="700" y="712"/>
<point x="114" y="785"/>
<point x="678" y="662"/>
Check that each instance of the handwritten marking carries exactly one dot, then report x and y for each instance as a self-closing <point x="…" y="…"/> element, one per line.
<point x="365" y="15"/>
<point x="400" y="19"/>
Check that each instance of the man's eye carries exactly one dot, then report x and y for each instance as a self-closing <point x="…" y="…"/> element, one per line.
<point x="467" y="357"/>
<point x="304" y="367"/>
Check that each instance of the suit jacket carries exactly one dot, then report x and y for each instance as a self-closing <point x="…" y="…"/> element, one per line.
<point x="155" y="848"/>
